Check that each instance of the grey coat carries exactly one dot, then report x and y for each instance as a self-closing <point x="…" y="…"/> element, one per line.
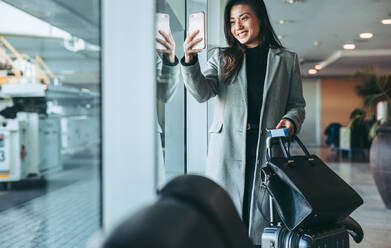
<point x="282" y="98"/>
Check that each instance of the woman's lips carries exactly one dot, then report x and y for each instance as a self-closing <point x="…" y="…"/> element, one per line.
<point x="242" y="34"/>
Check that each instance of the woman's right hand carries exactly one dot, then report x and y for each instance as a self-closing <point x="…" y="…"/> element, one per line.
<point x="189" y="44"/>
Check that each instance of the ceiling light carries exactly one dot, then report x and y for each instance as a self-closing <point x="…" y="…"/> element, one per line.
<point x="366" y="35"/>
<point x="349" y="46"/>
<point x="281" y="36"/>
<point x="282" y="21"/>
<point x="318" y="67"/>
<point x="67" y="72"/>
<point x="74" y="44"/>
<point x="316" y="43"/>
<point x="386" y="21"/>
<point x="292" y="1"/>
<point x="312" y="71"/>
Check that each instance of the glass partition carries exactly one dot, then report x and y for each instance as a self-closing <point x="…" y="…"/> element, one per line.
<point x="50" y="123"/>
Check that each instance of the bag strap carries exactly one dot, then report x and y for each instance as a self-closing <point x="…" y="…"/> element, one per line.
<point x="302" y="146"/>
<point x="286" y="151"/>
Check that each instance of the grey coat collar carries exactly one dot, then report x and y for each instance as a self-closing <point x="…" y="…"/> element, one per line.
<point x="273" y="63"/>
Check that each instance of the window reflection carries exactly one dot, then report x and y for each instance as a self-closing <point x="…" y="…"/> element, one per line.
<point x="170" y="93"/>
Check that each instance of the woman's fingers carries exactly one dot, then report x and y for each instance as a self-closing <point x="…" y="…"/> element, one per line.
<point x="163" y="51"/>
<point x="285" y="123"/>
<point x="191" y="36"/>
<point x="194" y="42"/>
<point x="164" y="43"/>
<point x="194" y="51"/>
<point x="190" y="45"/>
<point x="167" y="37"/>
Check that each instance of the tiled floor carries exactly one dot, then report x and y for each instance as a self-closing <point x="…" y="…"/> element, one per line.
<point x="374" y="218"/>
<point x="68" y="216"/>
<point x="63" y="217"/>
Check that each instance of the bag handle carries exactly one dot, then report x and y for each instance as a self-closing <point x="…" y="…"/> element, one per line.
<point x="302" y="146"/>
<point x="285" y="150"/>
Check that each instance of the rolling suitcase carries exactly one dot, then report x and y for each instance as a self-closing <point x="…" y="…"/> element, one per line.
<point x="330" y="235"/>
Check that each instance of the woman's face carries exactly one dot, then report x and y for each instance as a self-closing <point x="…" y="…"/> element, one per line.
<point x="244" y="25"/>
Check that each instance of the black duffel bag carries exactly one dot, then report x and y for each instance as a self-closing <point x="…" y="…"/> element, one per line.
<point x="306" y="192"/>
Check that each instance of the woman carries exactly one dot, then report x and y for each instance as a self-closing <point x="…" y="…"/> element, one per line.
<point x="257" y="85"/>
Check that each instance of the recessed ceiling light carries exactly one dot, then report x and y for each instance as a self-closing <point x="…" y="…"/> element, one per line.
<point x="316" y="43"/>
<point x="281" y="36"/>
<point x="349" y="46"/>
<point x="312" y="71"/>
<point x="318" y="67"/>
<point x="386" y="21"/>
<point x="292" y="1"/>
<point x="282" y="21"/>
<point x="67" y="72"/>
<point x="366" y="35"/>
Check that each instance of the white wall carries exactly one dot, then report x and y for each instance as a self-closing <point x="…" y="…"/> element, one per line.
<point x="310" y="131"/>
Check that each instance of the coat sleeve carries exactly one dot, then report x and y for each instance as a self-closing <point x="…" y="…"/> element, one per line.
<point x="202" y="85"/>
<point x="167" y="77"/>
<point x="295" y="107"/>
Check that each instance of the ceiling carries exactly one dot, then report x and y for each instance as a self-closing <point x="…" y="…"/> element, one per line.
<point x="333" y="23"/>
<point x="75" y="68"/>
<point x="78" y="17"/>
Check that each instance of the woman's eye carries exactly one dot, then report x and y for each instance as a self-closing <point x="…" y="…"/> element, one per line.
<point x="244" y="18"/>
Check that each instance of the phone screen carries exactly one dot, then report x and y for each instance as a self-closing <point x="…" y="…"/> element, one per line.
<point x="162" y="24"/>
<point x="197" y="22"/>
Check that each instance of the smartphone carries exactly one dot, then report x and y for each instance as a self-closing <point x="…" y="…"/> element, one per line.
<point x="197" y="22"/>
<point x="162" y="24"/>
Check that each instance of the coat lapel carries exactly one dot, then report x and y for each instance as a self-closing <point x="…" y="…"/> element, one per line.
<point x="242" y="79"/>
<point x="273" y="62"/>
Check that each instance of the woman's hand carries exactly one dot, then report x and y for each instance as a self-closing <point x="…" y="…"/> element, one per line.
<point x="189" y="44"/>
<point x="169" y="44"/>
<point x="285" y="123"/>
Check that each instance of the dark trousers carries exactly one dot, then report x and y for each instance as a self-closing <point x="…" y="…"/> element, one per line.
<point x="251" y="150"/>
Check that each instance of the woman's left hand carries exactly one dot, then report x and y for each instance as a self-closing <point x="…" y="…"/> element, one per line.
<point x="285" y="123"/>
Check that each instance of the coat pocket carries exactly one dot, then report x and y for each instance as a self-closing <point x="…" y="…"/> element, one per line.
<point x="216" y="127"/>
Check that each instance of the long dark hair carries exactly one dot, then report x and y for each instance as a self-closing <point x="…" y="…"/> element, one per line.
<point x="233" y="55"/>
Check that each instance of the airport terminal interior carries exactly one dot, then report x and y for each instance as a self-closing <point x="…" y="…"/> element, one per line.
<point x="64" y="129"/>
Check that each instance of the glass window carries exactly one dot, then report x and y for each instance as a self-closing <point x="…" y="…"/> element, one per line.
<point x="50" y="123"/>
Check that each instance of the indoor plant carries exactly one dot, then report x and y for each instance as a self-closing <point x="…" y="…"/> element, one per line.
<point x="375" y="91"/>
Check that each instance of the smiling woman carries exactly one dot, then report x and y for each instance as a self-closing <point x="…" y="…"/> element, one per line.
<point x="257" y="85"/>
<point x="245" y="25"/>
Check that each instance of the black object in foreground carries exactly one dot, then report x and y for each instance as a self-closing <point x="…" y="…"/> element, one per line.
<point x="192" y="212"/>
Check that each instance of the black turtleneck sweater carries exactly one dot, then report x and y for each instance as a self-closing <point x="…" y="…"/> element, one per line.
<point x="256" y="61"/>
